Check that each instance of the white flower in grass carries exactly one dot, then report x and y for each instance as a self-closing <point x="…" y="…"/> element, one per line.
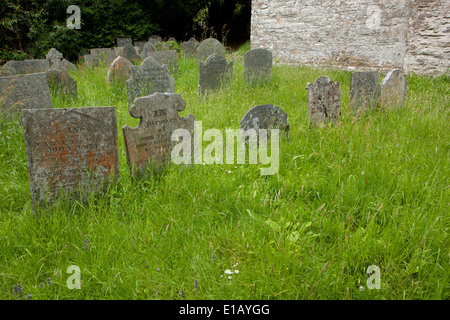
<point x="236" y="271"/>
<point x="228" y="271"/>
<point x="230" y="277"/>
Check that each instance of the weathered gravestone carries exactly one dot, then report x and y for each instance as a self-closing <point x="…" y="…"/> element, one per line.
<point x="148" y="78"/>
<point x="54" y="57"/>
<point x="60" y="83"/>
<point x="214" y="72"/>
<point x="72" y="151"/>
<point x="148" y="48"/>
<point x="169" y="57"/>
<point x="257" y="66"/>
<point x="393" y="89"/>
<point x="364" y="90"/>
<point x="122" y="42"/>
<point x="130" y="54"/>
<point x="64" y="65"/>
<point x="154" y="39"/>
<point x="139" y="44"/>
<point x="28" y="91"/>
<point x="12" y="68"/>
<point x="88" y="60"/>
<point x="324" y="101"/>
<point x="190" y="47"/>
<point x="150" y="143"/>
<point x="208" y="47"/>
<point x="267" y="117"/>
<point x="119" y="70"/>
<point x="102" y="56"/>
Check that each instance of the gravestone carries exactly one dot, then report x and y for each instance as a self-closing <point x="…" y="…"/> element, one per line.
<point x="265" y="116"/>
<point x="364" y="90"/>
<point x="190" y="47"/>
<point x="169" y="57"/>
<point x="137" y="49"/>
<point x="130" y="54"/>
<point x="393" y="89"/>
<point x="324" y="101"/>
<point x="208" y="47"/>
<point x="154" y="39"/>
<point x="54" y="57"/>
<point x="140" y="44"/>
<point x="149" y="144"/>
<point x="28" y="91"/>
<point x="119" y="70"/>
<point x="12" y="68"/>
<point x="214" y="73"/>
<point x="102" y="56"/>
<point x="148" y="78"/>
<point x="64" y="65"/>
<point x="60" y="83"/>
<point x="88" y="60"/>
<point x="118" y="51"/>
<point x="148" y="48"/>
<point x="257" y="66"/>
<point x="122" y="42"/>
<point x="69" y="151"/>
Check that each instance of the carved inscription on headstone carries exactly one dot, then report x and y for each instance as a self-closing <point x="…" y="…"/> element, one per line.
<point x="364" y="90"/>
<point x="393" y="89"/>
<point x="214" y="72"/>
<point x="150" y="142"/>
<point x="265" y="116"/>
<point x="69" y="150"/>
<point x="208" y="47"/>
<point x="257" y="66"/>
<point x="28" y="91"/>
<point x="148" y="78"/>
<point x="324" y="101"/>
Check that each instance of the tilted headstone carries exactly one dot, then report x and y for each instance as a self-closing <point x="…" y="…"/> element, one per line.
<point x="208" y="47"/>
<point x="28" y="91"/>
<point x="64" y="65"/>
<point x="324" y="101"/>
<point x="169" y="57"/>
<point x="122" y="42"/>
<point x="393" y="89"/>
<point x="70" y="149"/>
<point x="102" y="56"/>
<point x="119" y="70"/>
<point x="139" y="44"/>
<point x="12" y="68"/>
<point x="54" y="57"/>
<point x="267" y="117"/>
<point x="214" y="73"/>
<point x="257" y="66"/>
<point x="147" y="49"/>
<point x="148" y="78"/>
<point x="149" y="144"/>
<point x="364" y="90"/>
<point x="118" y="51"/>
<point x="190" y="47"/>
<point x="130" y="54"/>
<point x="154" y="39"/>
<point x="60" y="83"/>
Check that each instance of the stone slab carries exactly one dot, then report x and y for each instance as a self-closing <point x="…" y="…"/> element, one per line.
<point x="208" y="47"/>
<point x="12" y="68"/>
<point x="213" y="73"/>
<point x="364" y="90"/>
<point x="60" y="83"/>
<point x="257" y="66"/>
<point x="393" y="89"/>
<point x="267" y="117"/>
<point x="324" y="101"/>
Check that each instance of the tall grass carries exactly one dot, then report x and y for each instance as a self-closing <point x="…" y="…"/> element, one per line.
<point x="370" y="190"/>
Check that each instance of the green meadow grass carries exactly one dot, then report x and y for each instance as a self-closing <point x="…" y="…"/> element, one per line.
<point x="371" y="190"/>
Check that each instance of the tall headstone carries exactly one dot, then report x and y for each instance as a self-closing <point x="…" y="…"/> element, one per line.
<point x="12" y="68"/>
<point x="208" y="47"/>
<point x="122" y="42"/>
<point x="149" y="144"/>
<point x="190" y="47"/>
<point x="214" y="72"/>
<point x="364" y="90"/>
<point x="69" y="151"/>
<point x="60" y="83"/>
<point x="119" y="70"/>
<point x="148" y="78"/>
<point x="393" y="89"/>
<point x="257" y="66"/>
<point x="169" y="57"/>
<point x="267" y="117"/>
<point x="148" y="48"/>
<point x="324" y="101"/>
<point x="28" y="91"/>
<point x="130" y="54"/>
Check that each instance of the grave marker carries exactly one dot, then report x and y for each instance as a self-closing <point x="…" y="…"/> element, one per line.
<point x="364" y="90"/>
<point x="324" y="101"/>
<point x="208" y="47"/>
<point x="169" y="57"/>
<point x="122" y="42"/>
<point x="393" y="89"/>
<point x="119" y="70"/>
<point x="12" y="68"/>
<point x="213" y="73"/>
<point x="147" y="50"/>
<point x="257" y="66"/>
<point x="54" y="57"/>
<point x="267" y="117"/>
<point x="130" y="54"/>
<point x="60" y="83"/>
<point x="190" y="47"/>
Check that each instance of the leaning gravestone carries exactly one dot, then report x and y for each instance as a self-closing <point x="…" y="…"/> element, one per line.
<point x="119" y="70"/>
<point x="257" y="66"/>
<point x="54" y="57"/>
<point x="267" y="117"/>
<point x="190" y="47"/>
<point x="12" y="68"/>
<point x="213" y="73"/>
<point x="208" y="47"/>
<point x="324" y="101"/>
<point x="364" y="90"/>
<point x="69" y="151"/>
<point x="147" y="50"/>
<point x="169" y="57"/>
<point x="28" y="91"/>
<point x="60" y="83"/>
<point x="149" y="144"/>
<point x="64" y="65"/>
<point x="393" y="89"/>
<point x="130" y="54"/>
<point x="148" y="78"/>
<point x="122" y="42"/>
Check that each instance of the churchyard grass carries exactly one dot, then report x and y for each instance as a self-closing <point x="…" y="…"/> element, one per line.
<point x="370" y="190"/>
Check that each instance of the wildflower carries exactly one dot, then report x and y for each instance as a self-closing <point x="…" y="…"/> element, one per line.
<point x="229" y="277"/>
<point x="85" y="246"/>
<point x="41" y="285"/>
<point x="361" y="288"/>
<point x="18" y="289"/>
<point x="228" y="271"/>
<point x="182" y="294"/>
<point x="28" y="296"/>
<point x="236" y="271"/>
<point x="49" y="281"/>
<point x="157" y="269"/>
<point x="196" y="283"/>
<point x="212" y="256"/>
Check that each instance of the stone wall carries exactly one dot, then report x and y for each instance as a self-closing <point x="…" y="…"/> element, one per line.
<point x="355" y="34"/>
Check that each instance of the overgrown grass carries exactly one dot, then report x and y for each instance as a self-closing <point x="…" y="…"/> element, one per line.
<point x="370" y="190"/>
